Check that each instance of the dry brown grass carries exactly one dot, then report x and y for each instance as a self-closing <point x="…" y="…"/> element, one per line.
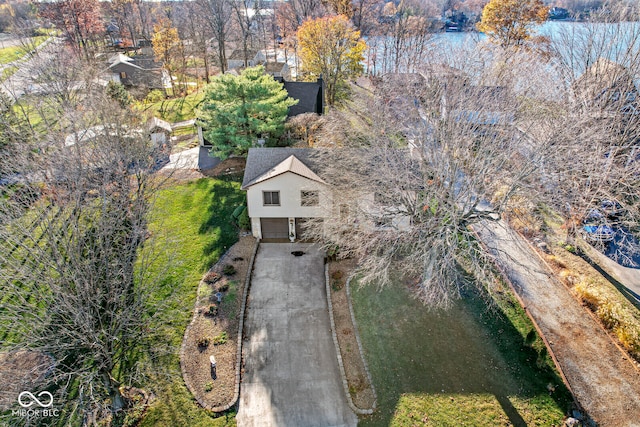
<point x="613" y="310"/>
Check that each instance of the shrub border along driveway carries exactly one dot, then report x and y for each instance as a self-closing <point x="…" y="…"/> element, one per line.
<point x="236" y="392"/>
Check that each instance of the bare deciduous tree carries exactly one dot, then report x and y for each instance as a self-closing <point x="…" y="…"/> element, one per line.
<point x="435" y="151"/>
<point x="72" y="270"/>
<point x="218" y="15"/>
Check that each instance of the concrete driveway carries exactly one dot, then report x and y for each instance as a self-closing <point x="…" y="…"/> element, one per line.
<point x="291" y="375"/>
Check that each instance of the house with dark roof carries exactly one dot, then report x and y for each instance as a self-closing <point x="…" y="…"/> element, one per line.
<point x="137" y="71"/>
<point x="283" y="191"/>
<point x="310" y="96"/>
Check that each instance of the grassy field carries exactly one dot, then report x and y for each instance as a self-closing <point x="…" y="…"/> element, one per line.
<point x="13" y="53"/>
<point x="174" y="110"/>
<point x="191" y="227"/>
<point x="467" y="366"/>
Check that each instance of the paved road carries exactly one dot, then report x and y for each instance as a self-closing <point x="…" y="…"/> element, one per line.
<point x="21" y="82"/>
<point x="602" y="379"/>
<point x="628" y="277"/>
<point x="291" y="375"/>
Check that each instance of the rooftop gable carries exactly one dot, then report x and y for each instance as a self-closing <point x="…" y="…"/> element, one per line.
<point x="265" y="163"/>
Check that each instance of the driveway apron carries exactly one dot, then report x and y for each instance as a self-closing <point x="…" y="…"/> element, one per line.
<point x="291" y="375"/>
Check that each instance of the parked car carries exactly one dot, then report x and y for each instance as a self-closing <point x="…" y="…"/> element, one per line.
<point x="595" y="227"/>
<point x="601" y="233"/>
<point x="611" y="208"/>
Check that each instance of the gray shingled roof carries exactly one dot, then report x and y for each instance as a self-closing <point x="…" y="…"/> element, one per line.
<point x="261" y="160"/>
<point x="307" y="95"/>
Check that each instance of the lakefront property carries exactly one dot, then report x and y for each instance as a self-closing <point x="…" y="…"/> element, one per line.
<point x="302" y="213"/>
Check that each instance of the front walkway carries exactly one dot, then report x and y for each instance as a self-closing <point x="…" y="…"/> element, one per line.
<point x="291" y="375"/>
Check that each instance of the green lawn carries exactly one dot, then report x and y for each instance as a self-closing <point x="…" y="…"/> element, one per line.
<point x="466" y="366"/>
<point x="175" y="110"/>
<point x="191" y="228"/>
<point x="13" y="53"/>
<point x="8" y="72"/>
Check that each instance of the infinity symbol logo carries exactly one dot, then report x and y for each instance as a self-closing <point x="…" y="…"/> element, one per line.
<point x="35" y="399"/>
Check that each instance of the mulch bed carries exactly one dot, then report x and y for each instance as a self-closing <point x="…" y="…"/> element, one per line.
<point x="217" y="388"/>
<point x="359" y="387"/>
<point x="230" y="166"/>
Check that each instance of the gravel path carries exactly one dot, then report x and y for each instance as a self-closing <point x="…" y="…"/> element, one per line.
<point x="603" y="380"/>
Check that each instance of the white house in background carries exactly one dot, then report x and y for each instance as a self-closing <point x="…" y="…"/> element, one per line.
<point x="283" y="192"/>
<point x="236" y="59"/>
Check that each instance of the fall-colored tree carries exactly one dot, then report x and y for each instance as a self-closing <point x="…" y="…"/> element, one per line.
<point x="124" y="13"/>
<point x="340" y="7"/>
<point x="166" y="45"/>
<point x="79" y="20"/>
<point x="331" y="47"/>
<point x="236" y="111"/>
<point x="508" y="22"/>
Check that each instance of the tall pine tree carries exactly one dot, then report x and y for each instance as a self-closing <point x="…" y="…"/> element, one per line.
<point x="238" y="110"/>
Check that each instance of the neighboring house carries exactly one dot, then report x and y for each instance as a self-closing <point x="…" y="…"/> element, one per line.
<point x="608" y="87"/>
<point x="137" y="71"/>
<point x="480" y="105"/>
<point x="283" y="192"/>
<point x="310" y="96"/>
<point x="236" y="59"/>
<point x="279" y="70"/>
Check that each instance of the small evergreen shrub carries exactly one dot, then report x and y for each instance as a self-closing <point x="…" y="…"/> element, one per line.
<point x="221" y="338"/>
<point x="211" y="277"/>
<point x="229" y="270"/>
<point x="212" y="311"/>
<point x="203" y="342"/>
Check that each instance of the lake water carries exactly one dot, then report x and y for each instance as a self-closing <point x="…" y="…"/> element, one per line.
<point x="613" y="41"/>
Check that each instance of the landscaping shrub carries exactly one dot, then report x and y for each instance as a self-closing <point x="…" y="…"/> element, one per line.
<point x="613" y="315"/>
<point x="222" y="287"/>
<point x="336" y="285"/>
<point x="203" y="342"/>
<point x="556" y="261"/>
<point x="332" y="252"/>
<point x="243" y="219"/>
<point x="211" y="277"/>
<point x="220" y="339"/>
<point x="208" y="386"/>
<point x="212" y="311"/>
<point x="610" y="314"/>
<point x="229" y="270"/>
<point x="337" y="275"/>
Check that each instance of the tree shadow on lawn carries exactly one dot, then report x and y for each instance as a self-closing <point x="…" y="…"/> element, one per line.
<point x="224" y="196"/>
<point x="465" y="350"/>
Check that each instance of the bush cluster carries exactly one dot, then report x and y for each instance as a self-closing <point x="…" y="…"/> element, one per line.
<point x="613" y="315"/>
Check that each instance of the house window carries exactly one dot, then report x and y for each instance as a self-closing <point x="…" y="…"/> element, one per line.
<point x="271" y="198"/>
<point x="123" y="75"/>
<point x="309" y="198"/>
